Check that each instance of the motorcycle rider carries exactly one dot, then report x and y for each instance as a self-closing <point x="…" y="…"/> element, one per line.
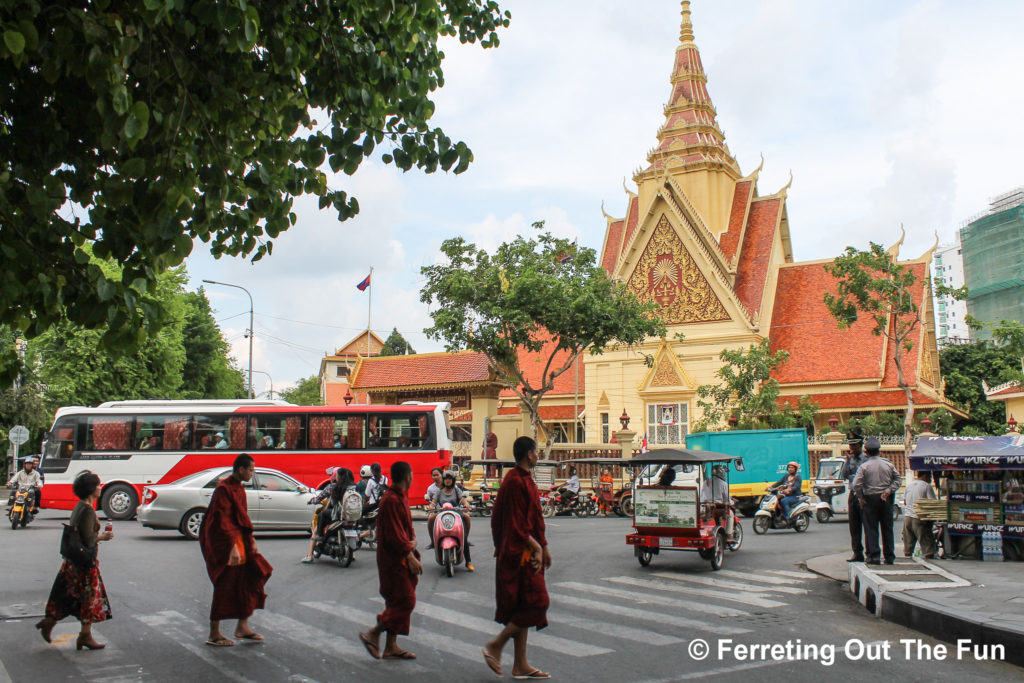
<point x="714" y="494"/>
<point x="450" y="492"/>
<point x="26" y="477"/>
<point x="572" y="488"/>
<point x="788" y="488"/>
<point x="434" y="487"/>
<point x="321" y="516"/>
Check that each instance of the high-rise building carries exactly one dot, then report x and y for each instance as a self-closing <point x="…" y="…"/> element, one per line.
<point x="993" y="254"/>
<point x="950" y="314"/>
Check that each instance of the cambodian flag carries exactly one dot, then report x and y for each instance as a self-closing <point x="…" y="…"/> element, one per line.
<point x="364" y="284"/>
<point x="643" y="446"/>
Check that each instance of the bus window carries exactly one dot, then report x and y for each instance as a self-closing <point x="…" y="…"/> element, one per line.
<point x="212" y="432"/>
<point x="275" y="431"/>
<point x="59" y="446"/>
<point x="108" y="433"/>
<point x="400" y="431"/>
<point x="336" y="432"/>
<point x="149" y="432"/>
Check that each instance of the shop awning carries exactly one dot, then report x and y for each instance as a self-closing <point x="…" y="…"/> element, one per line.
<point x="968" y="453"/>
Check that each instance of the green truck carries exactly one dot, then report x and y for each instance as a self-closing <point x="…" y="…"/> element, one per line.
<point x="765" y="453"/>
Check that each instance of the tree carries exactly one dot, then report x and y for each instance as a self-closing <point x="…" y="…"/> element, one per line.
<point x="748" y="392"/>
<point x="208" y="372"/>
<point x="965" y="367"/>
<point x="306" y="392"/>
<point x="875" y="284"/>
<point x="396" y="345"/>
<point x="545" y="296"/>
<point x="139" y="127"/>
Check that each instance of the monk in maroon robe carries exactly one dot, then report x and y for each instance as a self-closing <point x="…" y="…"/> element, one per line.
<point x="517" y="526"/>
<point x="398" y="567"/>
<point x="236" y="568"/>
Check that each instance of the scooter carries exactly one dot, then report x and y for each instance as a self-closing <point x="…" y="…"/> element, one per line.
<point x="341" y="537"/>
<point x="770" y="514"/>
<point x="449" y="538"/>
<point x="21" y="511"/>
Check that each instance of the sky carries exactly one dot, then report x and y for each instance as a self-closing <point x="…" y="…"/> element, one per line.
<point x="885" y="113"/>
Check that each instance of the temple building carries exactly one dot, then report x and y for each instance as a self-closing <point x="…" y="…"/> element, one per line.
<point x="698" y="238"/>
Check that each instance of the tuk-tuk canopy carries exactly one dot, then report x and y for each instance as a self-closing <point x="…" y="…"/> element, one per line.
<point x="609" y="462"/>
<point x="677" y="456"/>
<point x="509" y="463"/>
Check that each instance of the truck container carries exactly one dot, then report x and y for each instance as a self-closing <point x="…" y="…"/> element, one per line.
<point x="765" y="453"/>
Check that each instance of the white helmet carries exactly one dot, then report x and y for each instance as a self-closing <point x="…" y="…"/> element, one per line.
<point x="365" y="472"/>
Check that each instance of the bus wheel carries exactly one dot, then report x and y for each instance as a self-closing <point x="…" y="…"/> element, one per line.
<point x="119" y="502"/>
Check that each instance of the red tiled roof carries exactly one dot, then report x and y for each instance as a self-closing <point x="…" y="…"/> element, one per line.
<point x="850" y="400"/>
<point x="422" y="370"/>
<point x="819" y="350"/>
<point x="612" y="246"/>
<point x="632" y="218"/>
<point x="755" y="252"/>
<point x="730" y="239"/>
<point x="1007" y="391"/>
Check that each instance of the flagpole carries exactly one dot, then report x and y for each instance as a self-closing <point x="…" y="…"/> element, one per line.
<point x="369" y="311"/>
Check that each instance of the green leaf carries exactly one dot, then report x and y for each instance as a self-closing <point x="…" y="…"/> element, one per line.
<point x="14" y="41"/>
<point x="137" y="123"/>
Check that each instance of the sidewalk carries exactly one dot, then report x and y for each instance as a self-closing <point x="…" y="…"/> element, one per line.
<point x="982" y="602"/>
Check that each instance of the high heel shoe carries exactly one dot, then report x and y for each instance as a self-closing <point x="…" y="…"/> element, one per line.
<point x="88" y="643"/>
<point x="45" y="628"/>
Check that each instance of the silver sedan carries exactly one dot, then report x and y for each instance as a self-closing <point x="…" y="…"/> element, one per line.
<point x="276" y="501"/>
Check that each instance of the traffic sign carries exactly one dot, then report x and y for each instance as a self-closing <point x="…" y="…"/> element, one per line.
<point x="18" y="435"/>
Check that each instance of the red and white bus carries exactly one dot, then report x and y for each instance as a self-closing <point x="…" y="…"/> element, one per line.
<point x="130" y="444"/>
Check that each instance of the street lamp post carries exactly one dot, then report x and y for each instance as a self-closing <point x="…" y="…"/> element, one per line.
<point x="226" y="284"/>
<point x="271" y="381"/>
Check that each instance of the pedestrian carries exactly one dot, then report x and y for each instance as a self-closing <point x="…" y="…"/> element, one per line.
<point x="78" y="590"/>
<point x="875" y="486"/>
<point x="916" y="530"/>
<point x="517" y="526"/>
<point x="235" y="566"/>
<point x="605" y="487"/>
<point x="398" y="567"/>
<point x="855" y="517"/>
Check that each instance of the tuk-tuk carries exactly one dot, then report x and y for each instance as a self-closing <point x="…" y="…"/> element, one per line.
<point x="686" y="510"/>
<point x="482" y="490"/>
<point x="622" y="493"/>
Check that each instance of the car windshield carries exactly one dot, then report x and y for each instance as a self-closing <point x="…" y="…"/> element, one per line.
<point x="829" y="470"/>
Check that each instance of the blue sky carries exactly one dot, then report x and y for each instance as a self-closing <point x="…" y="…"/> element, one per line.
<point x="885" y="112"/>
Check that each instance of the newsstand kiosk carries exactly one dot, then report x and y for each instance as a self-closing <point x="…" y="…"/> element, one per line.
<point x="983" y="478"/>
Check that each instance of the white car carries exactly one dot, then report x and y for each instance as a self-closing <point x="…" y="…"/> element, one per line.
<point x="276" y="501"/>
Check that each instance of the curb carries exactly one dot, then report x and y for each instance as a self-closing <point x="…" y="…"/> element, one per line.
<point x="921" y="615"/>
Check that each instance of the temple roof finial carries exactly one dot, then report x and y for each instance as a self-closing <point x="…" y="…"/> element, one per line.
<point x="686" y="29"/>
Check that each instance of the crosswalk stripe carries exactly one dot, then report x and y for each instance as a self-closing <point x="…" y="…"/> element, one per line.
<point x="794" y="574"/>
<point x="330" y="644"/>
<point x="489" y="627"/>
<point x="752" y="599"/>
<point x="759" y="578"/>
<point x="731" y="585"/>
<point x="434" y="641"/>
<point x="652" y="599"/>
<point x="662" y="619"/>
<point x="165" y="623"/>
<point x="562" y="618"/>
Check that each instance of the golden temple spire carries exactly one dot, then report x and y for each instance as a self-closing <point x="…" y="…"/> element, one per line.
<point x="686" y="30"/>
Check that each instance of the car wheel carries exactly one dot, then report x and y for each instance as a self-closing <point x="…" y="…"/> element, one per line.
<point x="119" y="502"/>
<point x="191" y="522"/>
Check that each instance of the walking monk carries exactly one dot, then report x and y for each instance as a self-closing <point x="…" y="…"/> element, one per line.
<point x="522" y="551"/>
<point x="398" y="567"/>
<point x="236" y="568"/>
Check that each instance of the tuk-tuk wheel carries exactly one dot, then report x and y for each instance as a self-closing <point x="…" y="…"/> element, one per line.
<point x="644" y="557"/>
<point x="823" y="515"/>
<point x="626" y="506"/>
<point x="718" y="559"/>
<point x="737" y="536"/>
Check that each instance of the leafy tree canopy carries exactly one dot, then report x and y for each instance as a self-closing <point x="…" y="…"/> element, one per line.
<point x="396" y="345"/>
<point x="306" y="392"/>
<point x="748" y="393"/>
<point x="965" y="366"/>
<point x="537" y="295"/>
<point x="139" y="126"/>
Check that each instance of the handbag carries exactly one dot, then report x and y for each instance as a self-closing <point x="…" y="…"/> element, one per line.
<point x="74" y="551"/>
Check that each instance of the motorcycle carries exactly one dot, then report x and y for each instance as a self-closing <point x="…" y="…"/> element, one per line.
<point x="21" y="511"/>
<point x="770" y="514"/>
<point x="449" y="538"/>
<point x="345" y="532"/>
<point x="563" y="504"/>
<point x="482" y="503"/>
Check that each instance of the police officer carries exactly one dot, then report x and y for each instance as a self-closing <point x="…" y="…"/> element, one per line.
<point x="856" y="520"/>
<point x="875" y="486"/>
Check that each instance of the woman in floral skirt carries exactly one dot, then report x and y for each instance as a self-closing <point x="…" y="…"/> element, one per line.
<point x="77" y="591"/>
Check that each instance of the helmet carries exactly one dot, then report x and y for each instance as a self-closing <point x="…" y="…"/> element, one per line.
<point x="365" y="472"/>
<point x="448" y="474"/>
<point x="793" y="463"/>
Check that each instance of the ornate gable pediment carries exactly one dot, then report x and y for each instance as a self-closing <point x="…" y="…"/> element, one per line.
<point x="667" y="274"/>
<point x="667" y="372"/>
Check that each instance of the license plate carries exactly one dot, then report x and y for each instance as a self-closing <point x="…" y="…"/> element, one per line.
<point x="665" y="542"/>
<point x="350" y="533"/>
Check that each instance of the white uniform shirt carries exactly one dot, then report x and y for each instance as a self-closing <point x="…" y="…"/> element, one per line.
<point x="573" y="484"/>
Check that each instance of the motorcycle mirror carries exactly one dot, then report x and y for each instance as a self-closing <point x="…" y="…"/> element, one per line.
<point x="739" y="465"/>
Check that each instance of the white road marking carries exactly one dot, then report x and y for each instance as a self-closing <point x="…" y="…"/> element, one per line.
<point x="660" y="618"/>
<point x="4" y="676"/>
<point x="634" y="597"/>
<point x="715" y="672"/>
<point x="794" y="574"/>
<point x="609" y="628"/>
<point x="164" y="622"/>
<point x="562" y="646"/>
<point x="434" y="641"/>
<point x="752" y="599"/>
<point x="313" y="637"/>
<point x="731" y="585"/>
<point x="760" y="578"/>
